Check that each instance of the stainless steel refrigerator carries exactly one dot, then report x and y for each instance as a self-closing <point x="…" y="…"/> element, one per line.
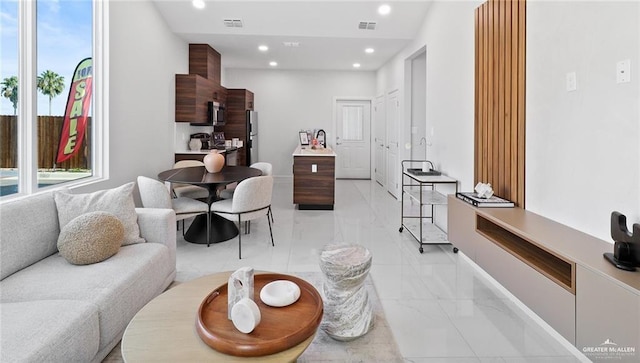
<point x="252" y="137"/>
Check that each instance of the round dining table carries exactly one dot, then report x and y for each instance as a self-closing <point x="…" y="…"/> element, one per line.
<point x="221" y="229"/>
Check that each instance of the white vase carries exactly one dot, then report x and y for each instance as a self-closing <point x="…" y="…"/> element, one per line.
<point x="213" y="161"/>
<point x="195" y="144"/>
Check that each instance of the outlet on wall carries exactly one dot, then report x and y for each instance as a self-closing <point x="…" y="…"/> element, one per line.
<point x="623" y="71"/>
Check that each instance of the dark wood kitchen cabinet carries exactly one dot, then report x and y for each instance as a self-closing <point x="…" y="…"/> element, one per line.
<point x="314" y="181"/>
<point x="202" y="85"/>
<point x="205" y="62"/>
<point x="239" y="101"/>
<point x="193" y="92"/>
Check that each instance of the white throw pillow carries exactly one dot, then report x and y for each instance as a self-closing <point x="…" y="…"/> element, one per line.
<point x="91" y="238"/>
<point x="118" y="201"/>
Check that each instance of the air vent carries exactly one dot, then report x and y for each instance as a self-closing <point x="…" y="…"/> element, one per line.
<point x="367" y="25"/>
<point x="233" y="23"/>
<point x="291" y="44"/>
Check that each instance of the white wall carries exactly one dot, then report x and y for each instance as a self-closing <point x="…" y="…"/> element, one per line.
<point x="287" y="101"/>
<point x="418" y="106"/>
<point x="583" y="147"/>
<point x="144" y="58"/>
<point x="448" y="34"/>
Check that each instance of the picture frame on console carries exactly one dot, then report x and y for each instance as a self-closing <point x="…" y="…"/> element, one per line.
<point x="304" y="138"/>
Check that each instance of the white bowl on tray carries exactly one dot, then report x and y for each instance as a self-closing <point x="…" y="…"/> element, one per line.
<point x="280" y="293"/>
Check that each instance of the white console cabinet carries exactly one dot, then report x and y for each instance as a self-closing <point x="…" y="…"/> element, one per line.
<point x="558" y="272"/>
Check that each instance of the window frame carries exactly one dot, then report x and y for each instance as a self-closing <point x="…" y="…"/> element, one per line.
<point x="27" y="107"/>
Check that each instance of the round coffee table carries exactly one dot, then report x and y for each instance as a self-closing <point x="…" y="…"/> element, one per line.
<point x="164" y="330"/>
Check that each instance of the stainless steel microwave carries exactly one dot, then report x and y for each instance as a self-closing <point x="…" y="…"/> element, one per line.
<point x="215" y="114"/>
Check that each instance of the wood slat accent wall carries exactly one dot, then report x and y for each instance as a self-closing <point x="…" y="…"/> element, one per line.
<point x="500" y="50"/>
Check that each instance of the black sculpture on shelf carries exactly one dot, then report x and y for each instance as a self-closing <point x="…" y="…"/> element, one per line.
<point x="626" y="250"/>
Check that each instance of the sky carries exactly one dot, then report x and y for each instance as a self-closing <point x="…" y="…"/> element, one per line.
<point x="64" y="38"/>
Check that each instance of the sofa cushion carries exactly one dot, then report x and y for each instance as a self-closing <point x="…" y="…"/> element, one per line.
<point x="119" y="286"/>
<point x="28" y="232"/>
<point x="118" y="201"/>
<point x="90" y="238"/>
<point x="49" y="331"/>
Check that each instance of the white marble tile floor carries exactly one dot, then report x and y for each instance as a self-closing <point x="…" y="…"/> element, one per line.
<point x="439" y="306"/>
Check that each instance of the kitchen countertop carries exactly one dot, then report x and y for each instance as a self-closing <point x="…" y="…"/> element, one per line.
<point x="206" y="151"/>
<point x="308" y="151"/>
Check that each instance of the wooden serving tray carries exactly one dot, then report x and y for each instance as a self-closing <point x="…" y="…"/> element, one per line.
<point x="279" y="329"/>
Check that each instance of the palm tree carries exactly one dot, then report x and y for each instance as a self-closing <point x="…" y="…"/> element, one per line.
<point x="50" y="84"/>
<point x="10" y="91"/>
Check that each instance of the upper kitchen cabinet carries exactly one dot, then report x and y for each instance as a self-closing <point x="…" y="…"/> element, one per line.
<point x="202" y="85"/>
<point x="205" y="61"/>
<point x="193" y="93"/>
<point x="240" y="99"/>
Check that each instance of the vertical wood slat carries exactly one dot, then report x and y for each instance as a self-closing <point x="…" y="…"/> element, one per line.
<point x="485" y="124"/>
<point x="495" y="120"/>
<point x="499" y="95"/>
<point x="490" y="88"/>
<point x="509" y="187"/>
<point x="521" y="96"/>
<point x="500" y="101"/>
<point x="476" y="105"/>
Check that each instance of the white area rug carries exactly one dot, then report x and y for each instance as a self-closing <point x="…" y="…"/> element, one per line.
<point x="376" y="346"/>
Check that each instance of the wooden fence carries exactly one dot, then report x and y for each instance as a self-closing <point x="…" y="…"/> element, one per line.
<point x="49" y="128"/>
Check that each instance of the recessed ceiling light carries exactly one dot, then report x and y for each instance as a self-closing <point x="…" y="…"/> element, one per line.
<point x="273" y="63"/>
<point x="356" y="65"/>
<point x="198" y="4"/>
<point x="263" y="48"/>
<point x="369" y="50"/>
<point x="384" y="9"/>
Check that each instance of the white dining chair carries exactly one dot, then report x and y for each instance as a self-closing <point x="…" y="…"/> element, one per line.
<point x="265" y="168"/>
<point x="187" y="190"/>
<point x="154" y="194"/>
<point x="251" y="200"/>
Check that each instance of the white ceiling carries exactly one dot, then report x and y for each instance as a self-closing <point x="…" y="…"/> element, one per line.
<point x="327" y="31"/>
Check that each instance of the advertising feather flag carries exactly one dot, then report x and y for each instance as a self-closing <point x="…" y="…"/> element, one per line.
<point x="76" y="112"/>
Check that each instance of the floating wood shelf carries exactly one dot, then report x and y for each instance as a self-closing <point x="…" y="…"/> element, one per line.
<point x="547" y="263"/>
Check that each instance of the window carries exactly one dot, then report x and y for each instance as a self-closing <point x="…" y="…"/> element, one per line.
<point x="51" y="122"/>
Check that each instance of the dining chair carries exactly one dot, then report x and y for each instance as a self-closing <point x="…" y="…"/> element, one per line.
<point x="265" y="168"/>
<point x="154" y="194"/>
<point x="251" y="200"/>
<point x="187" y="190"/>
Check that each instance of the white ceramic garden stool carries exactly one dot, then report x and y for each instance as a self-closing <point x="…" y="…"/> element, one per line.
<point x="348" y="313"/>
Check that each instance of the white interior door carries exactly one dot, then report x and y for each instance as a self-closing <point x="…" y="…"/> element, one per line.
<point x="380" y="132"/>
<point x="391" y="147"/>
<point x="353" y="139"/>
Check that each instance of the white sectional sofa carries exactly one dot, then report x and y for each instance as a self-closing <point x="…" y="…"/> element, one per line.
<point x="55" y="311"/>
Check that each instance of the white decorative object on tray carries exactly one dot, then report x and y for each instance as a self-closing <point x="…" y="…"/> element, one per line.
<point x="245" y="315"/>
<point x="240" y="285"/>
<point x="280" y="293"/>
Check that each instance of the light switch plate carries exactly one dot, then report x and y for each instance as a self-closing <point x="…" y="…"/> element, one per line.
<point x="623" y="71"/>
<point x="314" y="168"/>
<point x="572" y="83"/>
